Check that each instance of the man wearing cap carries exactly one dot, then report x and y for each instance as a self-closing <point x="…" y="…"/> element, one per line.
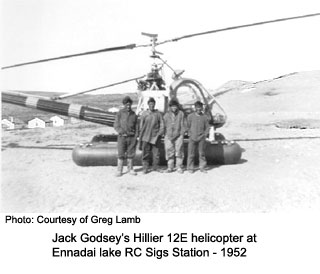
<point x="198" y="129"/>
<point x="126" y="124"/>
<point x="175" y="127"/>
<point x="152" y="128"/>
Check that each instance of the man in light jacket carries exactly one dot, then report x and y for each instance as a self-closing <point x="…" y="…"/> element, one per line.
<point x="175" y="127"/>
<point x="198" y="129"/>
<point x="151" y="126"/>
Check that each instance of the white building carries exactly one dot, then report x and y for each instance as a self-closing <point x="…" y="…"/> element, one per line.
<point x="113" y="109"/>
<point x="5" y="123"/>
<point x="57" y="121"/>
<point x="36" y="123"/>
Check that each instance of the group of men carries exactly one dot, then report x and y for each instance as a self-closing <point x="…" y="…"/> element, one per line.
<point x="147" y="134"/>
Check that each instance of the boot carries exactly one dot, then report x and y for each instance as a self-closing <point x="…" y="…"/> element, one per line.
<point x="203" y="170"/>
<point x="130" y="167"/>
<point x="170" y="166"/>
<point x="119" y="168"/>
<point x="156" y="168"/>
<point x="145" y="166"/>
<point x="179" y="165"/>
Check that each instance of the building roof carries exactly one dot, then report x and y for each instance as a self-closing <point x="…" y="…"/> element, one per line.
<point x="37" y="118"/>
<point x="16" y="121"/>
<point x="6" y="120"/>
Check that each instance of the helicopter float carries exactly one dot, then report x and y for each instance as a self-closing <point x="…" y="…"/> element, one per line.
<point x="102" y="149"/>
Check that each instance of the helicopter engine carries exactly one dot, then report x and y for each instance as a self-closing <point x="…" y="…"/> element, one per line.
<point x="154" y="87"/>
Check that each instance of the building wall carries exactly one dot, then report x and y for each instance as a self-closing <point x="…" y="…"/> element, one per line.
<point x="57" y="121"/>
<point x="36" y="123"/>
<point x="7" y="124"/>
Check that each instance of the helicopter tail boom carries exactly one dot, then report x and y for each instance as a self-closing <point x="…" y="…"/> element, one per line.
<point x="81" y="112"/>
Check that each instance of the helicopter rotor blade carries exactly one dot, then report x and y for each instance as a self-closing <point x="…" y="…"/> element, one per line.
<point x="154" y="36"/>
<point x="130" y="46"/>
<point x="238" y="27"/>
<point x="95" y="89"/>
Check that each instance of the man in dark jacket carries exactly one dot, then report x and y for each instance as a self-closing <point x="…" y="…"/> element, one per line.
<point x="151" y="126"/>
<point x="126" y="124"/>
<point x="175" y="127"/>
<point x="198" y="129"/>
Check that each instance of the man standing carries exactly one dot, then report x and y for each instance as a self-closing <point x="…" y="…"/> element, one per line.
<point x="151" y="126"/>
<point x="198" y="129"/>
<point x="126" y="124"/>
<point x="175" y="127"/>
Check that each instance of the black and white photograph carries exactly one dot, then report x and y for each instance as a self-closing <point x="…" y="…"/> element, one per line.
<point x="162" y="107"/>
<point x="181" y="133"/>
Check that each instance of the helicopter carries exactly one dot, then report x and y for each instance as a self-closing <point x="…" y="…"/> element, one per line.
<point x="102" y="149"/>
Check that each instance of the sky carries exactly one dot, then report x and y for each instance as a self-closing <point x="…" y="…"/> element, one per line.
<point x="38" y="29"/>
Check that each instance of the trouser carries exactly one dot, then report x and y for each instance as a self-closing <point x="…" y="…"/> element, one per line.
<point x="126" y="147"/>
<point x="151" y="152"/>
<point x="191" y="153"/>
<point x="174" y="149"/>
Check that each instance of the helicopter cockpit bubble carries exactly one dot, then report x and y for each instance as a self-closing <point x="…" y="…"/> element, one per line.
<point x="188" y="91"/>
